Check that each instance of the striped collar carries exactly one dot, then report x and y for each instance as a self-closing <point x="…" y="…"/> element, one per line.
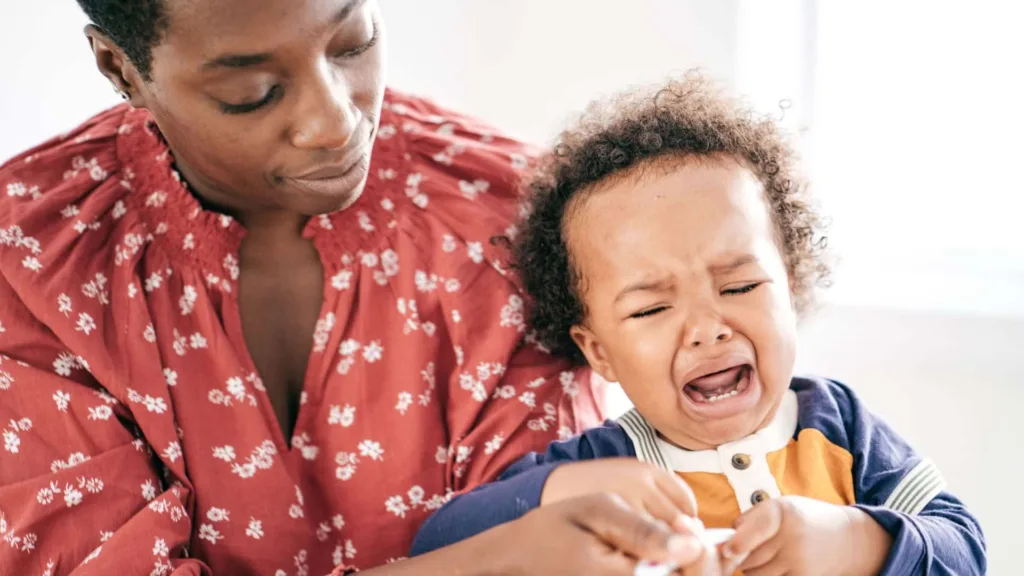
<point x="650" y="447"/>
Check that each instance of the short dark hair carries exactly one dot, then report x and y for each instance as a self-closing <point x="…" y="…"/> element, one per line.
<point x="684" y="119"/>
<point x="136" y="26"/>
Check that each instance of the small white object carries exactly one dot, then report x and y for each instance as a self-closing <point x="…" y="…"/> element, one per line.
<point x="718" y="536"/>
<point x="714" y="536"/>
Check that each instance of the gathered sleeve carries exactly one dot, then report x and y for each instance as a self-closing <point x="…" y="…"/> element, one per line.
<point x="518" y="490"/>
<point x="506" y="394"/>
<point x="81" y="490"/>
<point x="80" y="493"/>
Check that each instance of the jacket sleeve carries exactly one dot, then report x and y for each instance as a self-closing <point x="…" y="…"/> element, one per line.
<point x="933" y="532"/>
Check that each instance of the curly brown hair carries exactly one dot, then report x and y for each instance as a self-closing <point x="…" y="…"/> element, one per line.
<point x="686" y="118"/>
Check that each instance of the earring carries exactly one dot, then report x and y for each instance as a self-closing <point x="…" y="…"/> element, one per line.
<point x="124" y="95"/>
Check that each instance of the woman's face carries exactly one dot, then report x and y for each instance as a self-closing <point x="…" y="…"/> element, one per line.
<point x="268" y="105"/>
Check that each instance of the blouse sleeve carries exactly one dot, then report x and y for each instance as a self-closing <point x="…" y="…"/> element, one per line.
<point x="527" y="404"/>
<point x="518" y="490"/>
<point x="79" y="492"/>
<point x="507" y="395"/>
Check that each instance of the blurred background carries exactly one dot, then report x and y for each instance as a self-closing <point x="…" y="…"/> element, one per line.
<point x="909" y="116"/>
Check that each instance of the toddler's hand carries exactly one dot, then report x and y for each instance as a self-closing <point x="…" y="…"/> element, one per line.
<point x="804" y="537"/>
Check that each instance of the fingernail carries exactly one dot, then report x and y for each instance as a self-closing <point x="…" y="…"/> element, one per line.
<point x="730" y="553"/>
<point x="736" y="562"/>
<point x="691" y="523"/>
<point x="683" y="547"/>
<point x="679" y="524"/>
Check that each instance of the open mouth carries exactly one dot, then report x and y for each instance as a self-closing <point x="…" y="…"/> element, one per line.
<point x="719" y="386"/>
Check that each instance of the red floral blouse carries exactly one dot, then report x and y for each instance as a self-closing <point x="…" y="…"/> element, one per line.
<point x="137" y="435"/>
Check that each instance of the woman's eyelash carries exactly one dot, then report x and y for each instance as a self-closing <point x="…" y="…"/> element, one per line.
<point x="365" y="47"/>
<point x="250" y="106"/>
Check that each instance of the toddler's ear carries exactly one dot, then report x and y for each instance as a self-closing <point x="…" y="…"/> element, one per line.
<point x="594" y="351"/>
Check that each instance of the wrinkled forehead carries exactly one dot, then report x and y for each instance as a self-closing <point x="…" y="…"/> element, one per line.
<point x="198" y="30"/>
<point x="688" y="210"/>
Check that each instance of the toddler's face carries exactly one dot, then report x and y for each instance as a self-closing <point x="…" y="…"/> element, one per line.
<point x="687" y="298"/>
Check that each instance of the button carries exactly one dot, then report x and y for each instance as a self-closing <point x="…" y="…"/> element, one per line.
<point x="741" y="461"/>
<point x="758" y="497"/>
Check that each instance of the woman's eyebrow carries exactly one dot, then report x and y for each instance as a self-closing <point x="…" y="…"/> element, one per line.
<point x="249" y="60"/>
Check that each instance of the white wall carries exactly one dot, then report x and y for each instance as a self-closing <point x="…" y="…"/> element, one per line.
<point x="527" y="64"/>
<point x="915" y="146"/>
<point x="949" y="382"/>
<point x="48" y="82"/>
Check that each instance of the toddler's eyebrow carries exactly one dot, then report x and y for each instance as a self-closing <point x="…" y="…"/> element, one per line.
<point x="731" y="266"/>
<point x="644" y="285"/>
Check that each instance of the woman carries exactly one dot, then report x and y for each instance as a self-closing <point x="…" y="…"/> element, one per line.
<point x="230" y="342"/>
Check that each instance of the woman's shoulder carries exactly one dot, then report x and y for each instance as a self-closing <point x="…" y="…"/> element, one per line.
<point x="460" y="173"/>
<point x="45" y="185"/>
<point x="63" y="204"/>
<point x="450" y="141"/>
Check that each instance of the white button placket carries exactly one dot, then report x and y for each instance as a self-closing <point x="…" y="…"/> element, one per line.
<point x="746" y="482"/>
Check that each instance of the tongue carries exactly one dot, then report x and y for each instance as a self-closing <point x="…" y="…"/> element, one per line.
<point x="716" y="381"/>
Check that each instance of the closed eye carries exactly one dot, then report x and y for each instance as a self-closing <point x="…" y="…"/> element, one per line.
<point x="742" y="289"/>
<point x="352" y="53"/>
<point x="246" y="107"/>
<point x="649" y="312"/>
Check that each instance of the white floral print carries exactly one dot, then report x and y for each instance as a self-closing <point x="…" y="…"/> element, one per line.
<point x="255" y="529"/>
<point x="475" y="250"/>
<point x="344" y="417"/>
<point x="62" y="399"/>
<point x="471" y="189"/>
<point x="96" y="289"/>
<point x="371" y="449"/>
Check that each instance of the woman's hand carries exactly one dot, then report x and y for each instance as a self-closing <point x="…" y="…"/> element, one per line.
<point x="645" y="487"/>
<point x="597" y="534"/>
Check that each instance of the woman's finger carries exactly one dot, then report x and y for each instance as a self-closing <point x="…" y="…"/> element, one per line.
<point x="660" y="506"/>
<point x="612" y="520"/>
<point x="707" y="564"/>
<point x="678" y="491"/>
